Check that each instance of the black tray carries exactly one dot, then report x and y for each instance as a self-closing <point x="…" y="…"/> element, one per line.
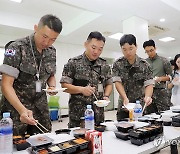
<point x="124" y="126"/>
<point x="175" y="124"/>
<point x="123" y="136"/>
<point x="176" y="118"/>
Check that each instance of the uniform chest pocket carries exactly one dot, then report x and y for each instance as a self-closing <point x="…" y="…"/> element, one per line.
<point x="82" y="72"/>
<point x="50" y="68"/>
<point x="124" y="76"/>
<point x="27" y="68"/>
<point x="139" y="76"/>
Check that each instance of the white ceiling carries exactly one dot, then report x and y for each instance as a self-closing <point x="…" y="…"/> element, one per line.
<point x="80" y="17"/>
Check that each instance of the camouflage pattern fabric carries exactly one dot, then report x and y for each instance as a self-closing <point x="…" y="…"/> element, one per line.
<point x="80" y="71"/>
<point x="160" y="67"/>
<point x="161" y="101"/>
<point x="25" y="82"/>
<point x="134" y="78"/>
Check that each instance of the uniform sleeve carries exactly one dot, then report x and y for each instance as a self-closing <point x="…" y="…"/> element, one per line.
<point x="167" y="67"/>
<point x="68" y="73"/>
<point x="109" y="79"/>
<point x="148" y="76"/>
<point x="115" y="73"/>
<point x="12" y="58"/>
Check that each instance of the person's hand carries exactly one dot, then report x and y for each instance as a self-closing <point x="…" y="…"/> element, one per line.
<point x="125" y="101"/>
<point x="157" y="79"/>
<point x="175" y="81"/>
<point x="147" y="100"/>
<point x="27" y="117"/>
<point x="106" y="98"/>
<point x="88" y="90"/>
<point x="52" y="93"/>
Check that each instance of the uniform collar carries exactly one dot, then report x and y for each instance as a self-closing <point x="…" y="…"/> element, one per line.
<point x="135" y="64"/>
<point x="155" y="57"/>
<point x="97" y="62"/>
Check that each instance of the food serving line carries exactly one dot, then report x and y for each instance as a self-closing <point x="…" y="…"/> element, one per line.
<point x="111" y="144"/>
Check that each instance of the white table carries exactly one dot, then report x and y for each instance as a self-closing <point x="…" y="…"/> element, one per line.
<point x="112" y="145"/>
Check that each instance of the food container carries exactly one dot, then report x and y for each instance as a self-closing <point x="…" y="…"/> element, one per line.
<point x="151" y="120"/>
<point x="176" y="118"/>
<point x="167" y="122"/>
<point x="82" y="143"/>
<point x="143" y="119"/>
<point x="20" y="142"/>
<point x="175" y="124"/>
<point x="159" y="122"/>
<point x="39" y="140"/>
<point x="121" y="135"/>
<point x="136" y="141"/>
<point x="67" y="147"/>
<point x="137" y="133"/>
<point x="124" y="126"/>
<point x="63" y="131"/>
<point x="100" y="128"/>
<point x="102" y="103"/>
<point x="79" y="132"/>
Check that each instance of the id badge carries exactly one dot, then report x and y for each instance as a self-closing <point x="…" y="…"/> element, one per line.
<point x="38" y="86"/>
<point x="100" y="87"/>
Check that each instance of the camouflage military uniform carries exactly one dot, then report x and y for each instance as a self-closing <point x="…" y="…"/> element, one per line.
<point x="134" y="78"/>
<point x="21" y="66"/>
<point x="161" y="101"/>
<point x="80" y="71"/>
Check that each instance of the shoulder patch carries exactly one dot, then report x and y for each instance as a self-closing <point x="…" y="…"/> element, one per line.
<point x="10" y="52"/>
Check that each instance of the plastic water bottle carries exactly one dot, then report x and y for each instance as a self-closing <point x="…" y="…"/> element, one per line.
<point x="6" y="134"/>
<point x="137" y="110"/>
<point x="89" y="118"/>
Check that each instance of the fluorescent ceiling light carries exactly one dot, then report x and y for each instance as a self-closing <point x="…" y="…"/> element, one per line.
<point x="116" y="36"/>
<point x="167" y="39"/>
<point x="18" y="1"/>
<point x="162" y="20"/>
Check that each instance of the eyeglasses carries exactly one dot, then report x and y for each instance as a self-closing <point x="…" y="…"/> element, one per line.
<point x="152" y="50"/>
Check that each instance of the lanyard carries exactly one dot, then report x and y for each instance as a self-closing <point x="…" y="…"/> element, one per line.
<point x="37" y="70"/>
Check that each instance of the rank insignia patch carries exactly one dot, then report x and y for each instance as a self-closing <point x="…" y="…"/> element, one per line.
<point x="10" y="52"/>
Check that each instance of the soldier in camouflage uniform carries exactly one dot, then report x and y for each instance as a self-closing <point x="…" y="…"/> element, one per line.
<point x="132" y="75"/>
<point x="84" y="75"/>
<point x="162" y="71"/>
<point x="30" y="62"/>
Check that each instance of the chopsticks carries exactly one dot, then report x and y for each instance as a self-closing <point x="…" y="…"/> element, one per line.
<point x="144" y="108"/>
<point x="95" y="96"/>
<point x="37" y="123"/>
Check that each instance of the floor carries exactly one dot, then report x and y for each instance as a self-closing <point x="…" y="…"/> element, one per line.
<point x="109" y="115"/>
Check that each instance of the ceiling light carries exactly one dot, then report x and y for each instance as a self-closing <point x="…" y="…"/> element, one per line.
<point x="162" y="20"/>
<point x="17" y="1"/>
<point x="116" y="36"/>
<point x="167" y="39"/>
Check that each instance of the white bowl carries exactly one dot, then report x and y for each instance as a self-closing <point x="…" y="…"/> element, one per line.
<point x="130" y="106"/>
<point x="102" y="103"/>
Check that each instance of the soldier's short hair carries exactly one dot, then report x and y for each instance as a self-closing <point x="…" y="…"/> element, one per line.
<point x="97" y="35"/>
<point x="149" y="43"/>
<point x="52" y="22"/>
<point x="127" y="38"/>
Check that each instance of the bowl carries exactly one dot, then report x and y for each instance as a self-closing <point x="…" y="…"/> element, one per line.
<point x="130" y="106"/>
<point x="124" y="126"/>
<point x="79" y="132"/>
<point x="100" y="128"/>
<point x="63" y="131"/>
<point x="102" y="103"/>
